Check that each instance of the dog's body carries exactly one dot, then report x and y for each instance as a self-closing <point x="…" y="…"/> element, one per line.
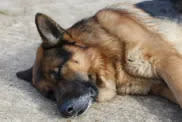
<point x="115" y="50"/>
<point x="125" y="63"/>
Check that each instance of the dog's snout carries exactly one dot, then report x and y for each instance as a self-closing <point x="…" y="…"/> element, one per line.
<point x="75" y="100"/>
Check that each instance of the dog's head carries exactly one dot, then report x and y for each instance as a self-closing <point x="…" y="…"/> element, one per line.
<point x="69" y="65"/>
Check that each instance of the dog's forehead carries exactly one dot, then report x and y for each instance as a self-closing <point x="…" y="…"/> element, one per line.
<point x="56" y="56"/>
<point x="60" y="52"/>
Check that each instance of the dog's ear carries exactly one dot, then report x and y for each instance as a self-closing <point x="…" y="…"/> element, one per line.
<point x="50" y="32"/>
<point x="25" y="75"/>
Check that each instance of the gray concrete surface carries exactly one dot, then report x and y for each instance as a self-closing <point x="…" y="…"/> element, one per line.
<point x="20" y="102"/>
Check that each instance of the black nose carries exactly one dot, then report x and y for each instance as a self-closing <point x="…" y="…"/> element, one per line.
<point x="73" y="107"/>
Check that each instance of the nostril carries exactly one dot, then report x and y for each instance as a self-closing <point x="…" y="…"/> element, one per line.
<point x="70" y="110"/>
<point x="67" y="110"/>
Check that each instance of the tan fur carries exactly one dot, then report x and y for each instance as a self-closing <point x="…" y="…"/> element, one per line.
<point x="122" y="55"/>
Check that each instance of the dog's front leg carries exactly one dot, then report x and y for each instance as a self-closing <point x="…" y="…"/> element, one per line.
<point x="170" y="69"/>
<point x="107" y="89"/>
<point x="105" y="94"/>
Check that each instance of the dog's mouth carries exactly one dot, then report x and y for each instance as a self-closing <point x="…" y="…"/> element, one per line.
<point x="76" y="98"/>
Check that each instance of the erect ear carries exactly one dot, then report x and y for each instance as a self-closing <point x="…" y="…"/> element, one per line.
<point x="50" y="32"/>
<point x="25" y="75"/>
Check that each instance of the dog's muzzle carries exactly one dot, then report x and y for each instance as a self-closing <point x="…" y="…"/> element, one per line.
<point x="76" y="99"/>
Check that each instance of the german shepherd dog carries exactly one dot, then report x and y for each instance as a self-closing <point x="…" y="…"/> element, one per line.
<point x="112" y="52"/>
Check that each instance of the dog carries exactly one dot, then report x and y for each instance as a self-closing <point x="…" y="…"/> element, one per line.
<point x="113" y="52"/>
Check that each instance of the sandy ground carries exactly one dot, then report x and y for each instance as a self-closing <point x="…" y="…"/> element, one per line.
<point x="20" y="102"/>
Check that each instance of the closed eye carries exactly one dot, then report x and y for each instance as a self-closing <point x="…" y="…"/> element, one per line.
<point x="75" y="61"/>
